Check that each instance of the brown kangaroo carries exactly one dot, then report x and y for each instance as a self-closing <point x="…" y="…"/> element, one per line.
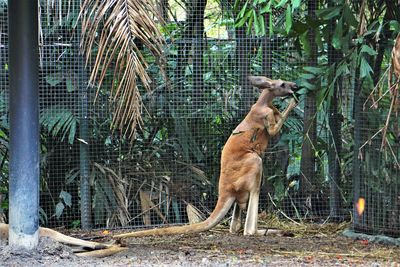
<point x="241" y="163"/>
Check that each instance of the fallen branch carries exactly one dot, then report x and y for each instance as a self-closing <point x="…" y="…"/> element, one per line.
<point x="284" y="214"/>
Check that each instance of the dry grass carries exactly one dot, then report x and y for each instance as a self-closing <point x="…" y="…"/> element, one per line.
<point x="307" y="243"/>
<point x="303" y="229"/>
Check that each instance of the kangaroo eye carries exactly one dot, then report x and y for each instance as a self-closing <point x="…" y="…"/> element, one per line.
<point x="283" y="85"/>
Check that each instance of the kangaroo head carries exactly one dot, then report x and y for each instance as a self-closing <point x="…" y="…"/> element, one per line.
<point x="276" y="87"/>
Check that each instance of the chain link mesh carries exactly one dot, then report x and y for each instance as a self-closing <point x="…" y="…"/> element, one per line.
<point x="92" y="176"/>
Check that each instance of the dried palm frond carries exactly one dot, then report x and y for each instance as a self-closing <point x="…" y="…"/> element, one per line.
<point x="194" y="214"/>
<point x="148" y="205"/>
<point x="114" y="28"/>
<point x="120" y="194"/>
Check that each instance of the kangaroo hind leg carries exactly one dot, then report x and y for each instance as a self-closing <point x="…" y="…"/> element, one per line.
<point x="250" y="226"/>
<point x="236" y="223"/>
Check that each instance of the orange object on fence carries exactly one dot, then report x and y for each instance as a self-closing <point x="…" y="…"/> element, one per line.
<point x="360" y="206"/>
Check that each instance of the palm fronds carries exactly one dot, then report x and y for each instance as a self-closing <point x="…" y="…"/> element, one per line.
<point x="115" y="28"/>
<point x="59" y="120"/>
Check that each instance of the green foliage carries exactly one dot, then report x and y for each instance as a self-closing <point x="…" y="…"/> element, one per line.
<point x="253" y="14"/>
<point x="65" y="200"/>
<point x="59" y="121"/>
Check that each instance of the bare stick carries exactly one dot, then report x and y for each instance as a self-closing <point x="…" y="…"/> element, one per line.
<point x="369" y="140"/>
<point x="287" y="217"/>
<point x="393" y="154"/>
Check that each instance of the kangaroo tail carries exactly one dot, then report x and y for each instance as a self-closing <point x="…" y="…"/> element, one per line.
<point x="221" y="209"/>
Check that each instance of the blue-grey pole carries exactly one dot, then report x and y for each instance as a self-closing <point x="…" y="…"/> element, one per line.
<point x="85" y="194"/>
<point x="86" y="203"/>
<point x="24" y="123"/>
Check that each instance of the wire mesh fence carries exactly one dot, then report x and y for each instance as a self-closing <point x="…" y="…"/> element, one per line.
<point x="94" y="176"/>
<point x="377" y="179"/>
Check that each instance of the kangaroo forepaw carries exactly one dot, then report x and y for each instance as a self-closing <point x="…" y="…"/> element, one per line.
<point x="293" y="103"/>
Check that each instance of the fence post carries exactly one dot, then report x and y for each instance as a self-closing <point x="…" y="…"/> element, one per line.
<point x="86" y="202"/>
<point x="356" y="150"/>
<point x="24" y="124"/>
<point x="85" y="194"/>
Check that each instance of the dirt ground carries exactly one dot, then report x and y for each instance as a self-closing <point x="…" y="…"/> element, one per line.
<point x="304" y="247"/>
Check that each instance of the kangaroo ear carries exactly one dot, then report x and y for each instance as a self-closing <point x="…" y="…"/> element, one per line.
<point x="260" y="81"/>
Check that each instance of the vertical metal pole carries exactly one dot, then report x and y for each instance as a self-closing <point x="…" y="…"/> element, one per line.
<point x="24" y="123"/>
<point x="357" y="173"/>
<point x="85" y="194"/>
<point x="86" y="202"/>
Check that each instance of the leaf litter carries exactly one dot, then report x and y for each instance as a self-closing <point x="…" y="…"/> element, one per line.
<point x="307" y="244"/>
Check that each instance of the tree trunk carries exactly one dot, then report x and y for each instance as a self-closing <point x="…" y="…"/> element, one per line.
<point x="380" y="47"/>
<point x="307" y="163"/>
<point x="192" y="40"/>
<point x="243" y="48"/>
<point x="198" y="49"/>
<point x="335" y="125"/>
<point x="242" y="58"/>
<point x="334" y="152"/>
<point x="267" y="51"/>
<point x="163" y="7"/>
<point x="183" y="47"/>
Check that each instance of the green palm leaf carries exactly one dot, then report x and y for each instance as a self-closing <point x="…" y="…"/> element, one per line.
<point x="58" y="120"/>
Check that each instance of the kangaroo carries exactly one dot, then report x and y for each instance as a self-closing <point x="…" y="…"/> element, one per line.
<point x="241" y="163"/>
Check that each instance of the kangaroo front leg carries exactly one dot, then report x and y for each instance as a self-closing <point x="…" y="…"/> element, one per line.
<point x="277" y="113"/>
<point x="272" y="125"/>
<point x="292" y="105"/>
